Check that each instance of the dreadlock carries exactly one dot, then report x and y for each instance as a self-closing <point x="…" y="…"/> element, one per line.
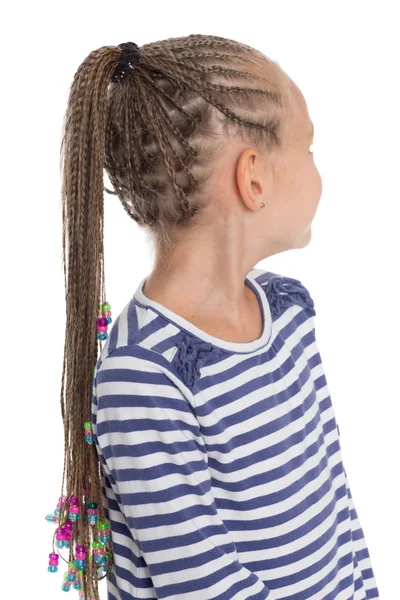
<point x="158" y="134"/>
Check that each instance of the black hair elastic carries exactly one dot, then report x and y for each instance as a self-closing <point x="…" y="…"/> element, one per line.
<point x="128" y="60"/>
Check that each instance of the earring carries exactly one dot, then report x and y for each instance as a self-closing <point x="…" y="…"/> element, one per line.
<point x="262" y="205"/>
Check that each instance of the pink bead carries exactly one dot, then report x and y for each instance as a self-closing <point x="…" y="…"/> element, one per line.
<point x="80" y="555"/>
<point x="107" y="313"/>
<point x="101" y="328"/>
<point x="74" y="509"/>
<point x="53" y="562"/>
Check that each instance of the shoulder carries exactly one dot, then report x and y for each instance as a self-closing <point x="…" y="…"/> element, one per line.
<point x="134" y="362"/>
<point x="283" y="291"/>
<point x="136" y="367"/>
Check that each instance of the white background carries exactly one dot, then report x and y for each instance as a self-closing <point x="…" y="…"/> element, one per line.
<point x="344" y="57"/>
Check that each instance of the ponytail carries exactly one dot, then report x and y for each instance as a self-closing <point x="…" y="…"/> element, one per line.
<point x="82" y="527"/>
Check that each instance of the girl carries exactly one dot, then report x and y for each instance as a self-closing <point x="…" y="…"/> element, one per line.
<point x="202" y="455"/>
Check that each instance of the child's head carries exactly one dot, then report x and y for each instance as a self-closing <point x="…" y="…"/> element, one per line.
<point x="201" y="128"/>
<point x="178" y="126"/>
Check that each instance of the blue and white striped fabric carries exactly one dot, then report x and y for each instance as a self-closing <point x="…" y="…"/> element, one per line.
<point x="221" y="461"/>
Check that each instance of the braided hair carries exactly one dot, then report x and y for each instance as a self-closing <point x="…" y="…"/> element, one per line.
<point x="156" y="119"/>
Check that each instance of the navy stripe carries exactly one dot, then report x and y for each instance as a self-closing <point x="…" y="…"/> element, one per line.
<point x="222" y="473"/>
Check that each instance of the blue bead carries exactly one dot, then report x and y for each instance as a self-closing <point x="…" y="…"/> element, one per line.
<point x="50" y="517"/>
<point x="65" y="587"/>
<point x="80" y="562"/>
<point x="109" y="319"/>
<point x="77" y="586"/>
<point x="52" y="568"/>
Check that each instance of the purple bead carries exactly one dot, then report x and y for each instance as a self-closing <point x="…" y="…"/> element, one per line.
<point x="73" y="499"/>
<point x="102" y="322"/>
<point x="54" y="556"/>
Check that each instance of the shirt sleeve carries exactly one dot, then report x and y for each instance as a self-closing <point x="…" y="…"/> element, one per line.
<point x="158" y="466"/>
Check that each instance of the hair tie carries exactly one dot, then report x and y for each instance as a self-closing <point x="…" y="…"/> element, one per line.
<point x="128" y="60"/>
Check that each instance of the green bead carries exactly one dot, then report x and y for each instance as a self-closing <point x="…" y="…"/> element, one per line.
<point x="87" y="425"/>
<point x="106" y="306"/>
<point x="92" y="504"/>
<point x="100" y="307"/>
<point x="97" y="545"/>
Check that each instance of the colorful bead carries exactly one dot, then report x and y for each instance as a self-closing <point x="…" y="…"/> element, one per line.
<point x="97" y="560"/>
<point x="74" y="513"/>
<point x="103" y="321"/>
<point x="52" y="518"/>
<point x="80" y="557"/>
<point x="99" y="553"/>
<point x="66" y="586"/>
<point x="92" y="512"/>
<point x="104" y="532"/>
<point x="63" y="536"/>
<point x="88" y="432"/>
<point x="53" y="563"/>
<point x="78" y="583"/>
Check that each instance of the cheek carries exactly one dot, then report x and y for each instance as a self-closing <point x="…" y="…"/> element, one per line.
<point x="304" y="199"/>
<point x="295" y="205"/>
<point x="317" y="187"/>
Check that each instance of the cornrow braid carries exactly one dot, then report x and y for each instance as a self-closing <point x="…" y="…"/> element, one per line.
<point x="156" y="118"/>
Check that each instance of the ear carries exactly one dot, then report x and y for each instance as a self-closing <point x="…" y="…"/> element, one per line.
<point x="250" y="178"/>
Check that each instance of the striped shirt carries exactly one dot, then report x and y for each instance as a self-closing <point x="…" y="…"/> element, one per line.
<point x="222" y="473"/>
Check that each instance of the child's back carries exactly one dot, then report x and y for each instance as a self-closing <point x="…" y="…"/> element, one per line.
<point x="222" y="463"/>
